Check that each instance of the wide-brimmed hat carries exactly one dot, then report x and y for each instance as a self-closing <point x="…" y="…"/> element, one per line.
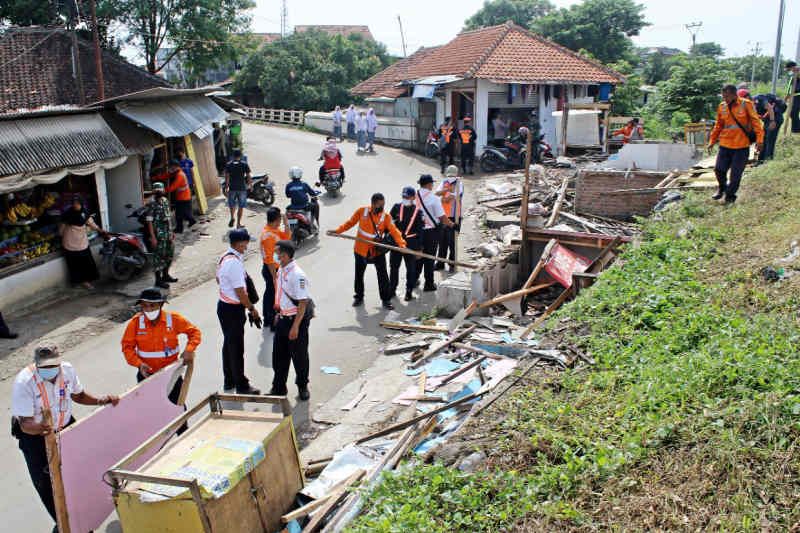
<point x="47" y="356"/>
<point x="151" y="295"/>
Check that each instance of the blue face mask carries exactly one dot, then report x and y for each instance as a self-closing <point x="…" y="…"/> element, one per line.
<point x="48" y="373"/>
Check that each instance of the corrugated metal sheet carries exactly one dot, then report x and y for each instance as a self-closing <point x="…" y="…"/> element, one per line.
<point x="175" y="117"/>
<point x="37" y="144"/>
<point x="135" y="138"/>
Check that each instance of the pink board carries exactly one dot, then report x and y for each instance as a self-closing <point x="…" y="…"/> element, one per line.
<point x="563" y="262"/>
<point x="99" y="441"/>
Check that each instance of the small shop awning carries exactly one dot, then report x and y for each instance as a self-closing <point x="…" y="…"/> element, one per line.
<point x="426" y="87"/>
<point x="173" y="117"/>
<point x="38" y="145"/>
<point x="423" y="91"/>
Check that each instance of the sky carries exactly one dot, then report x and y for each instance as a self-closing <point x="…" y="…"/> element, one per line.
<point x="735" y="24"/>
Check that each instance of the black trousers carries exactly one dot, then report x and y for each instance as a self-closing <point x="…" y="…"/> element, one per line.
<point x="183" y="211"/>
<point x="795" y="114"/>
<point x="286" y="351"/>
<point x="447" y="244"/>
<point x="446" y="156"/>
<point x="34" y="450"/>
<point x="770" y="138"/>
<point x="467" y="158"/>
<point x="4" y="331"/>
<point x="268" y="305"/>
<point x="395" y="258"/>
<point x="735" y="161"/>
<point x="232" y="318"/>
<point x="384" y="289"/>
<point x="430" y="242"/>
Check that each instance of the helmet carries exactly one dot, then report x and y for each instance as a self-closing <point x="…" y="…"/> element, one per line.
<point x="295" y="173"/>
<point x="523" y="131"/>
<point x="452" y="170"/>
<point x="158" y="186"/>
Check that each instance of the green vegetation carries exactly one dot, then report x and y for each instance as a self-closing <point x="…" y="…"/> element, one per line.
<point x="690" y="419"/>
<point x="495" y="12"/>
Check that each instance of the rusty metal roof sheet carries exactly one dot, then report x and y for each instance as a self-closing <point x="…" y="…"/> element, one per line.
<point x="173" y="117"/>
<point x="37" y="144"/>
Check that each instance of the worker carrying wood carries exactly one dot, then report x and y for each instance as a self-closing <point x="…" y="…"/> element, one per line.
<point x="373" y="225"/>
<point x="41" y="405"/>
<point x="150" y="341"/>
<point x="737" y="127"/>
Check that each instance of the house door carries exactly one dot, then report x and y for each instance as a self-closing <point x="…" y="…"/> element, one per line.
<point x="425" y="123"/>
<point x="462" y="105"/>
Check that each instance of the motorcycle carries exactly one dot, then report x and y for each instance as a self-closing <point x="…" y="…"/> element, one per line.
<point x="126" y="254"/>
<point x="301" y="222"/>
<point x="511" y="155"/>
<point x="432" y="145"/>
<point x="262" y="189"/>
<point x="332" y="179"/>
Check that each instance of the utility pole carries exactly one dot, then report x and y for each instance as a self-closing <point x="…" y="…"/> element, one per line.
<point x="402" y="36"/>
<point x="694" y="29"/>
<point x="755" y="50"/>
<point x="776" y="62"/>
<point x="284" y="19"/>
<point x="98" y="59"/>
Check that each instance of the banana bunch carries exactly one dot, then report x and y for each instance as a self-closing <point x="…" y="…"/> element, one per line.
<point x="23" y="210"/>
<point x="11" y="215"/>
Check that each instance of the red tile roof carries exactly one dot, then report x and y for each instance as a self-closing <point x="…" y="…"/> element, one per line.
<point x="343" y="30"/>
<point x="505" y="53"/>
<point x="267" y="38"/>
<point x="36" y="71"/>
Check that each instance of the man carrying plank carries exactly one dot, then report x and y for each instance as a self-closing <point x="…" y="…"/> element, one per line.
<point x="41" y="403"/>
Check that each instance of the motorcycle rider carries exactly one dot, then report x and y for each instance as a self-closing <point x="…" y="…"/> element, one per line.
<point x="300" y="193"/>
<point x="331" y="158"/>
<point x="467" y="136"/>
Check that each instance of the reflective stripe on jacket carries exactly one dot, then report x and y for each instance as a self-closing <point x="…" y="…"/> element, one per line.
<point x="728" y="133"/>
<point x="366" y="230"/>
<point x="156" y="343"/>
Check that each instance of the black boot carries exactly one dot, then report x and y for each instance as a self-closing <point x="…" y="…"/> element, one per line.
<point x="160" y="281"/>
<point x="168" y="278"/>
<point x="719" y="195"/>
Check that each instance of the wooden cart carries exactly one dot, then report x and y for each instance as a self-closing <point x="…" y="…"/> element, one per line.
<point x="264" y="487"/>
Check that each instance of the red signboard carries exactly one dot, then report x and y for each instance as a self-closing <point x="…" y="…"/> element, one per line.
<point x="563" y="262"/>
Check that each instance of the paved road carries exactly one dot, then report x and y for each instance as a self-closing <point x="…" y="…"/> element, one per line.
<point x="341" y="336"/>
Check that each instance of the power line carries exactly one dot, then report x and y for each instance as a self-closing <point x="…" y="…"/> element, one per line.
<point x="755" y="51"/>
<point x="694" y="29"/>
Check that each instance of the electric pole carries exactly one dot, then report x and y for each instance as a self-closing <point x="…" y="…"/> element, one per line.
<point x="776" y="62"/>
<point x="402" y="36"/>
<point x="284" y="19"/>
<point x="755" y="51"/>
<point x="694" y="29"/>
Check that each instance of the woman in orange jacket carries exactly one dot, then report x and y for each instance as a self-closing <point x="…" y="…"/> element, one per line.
<point x="373" y="223"/>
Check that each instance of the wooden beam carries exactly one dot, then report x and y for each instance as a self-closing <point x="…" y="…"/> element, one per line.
<point x="413" y="327"/>
<point x="441" y="345"/>
<point x="187" y="380"/>
<point x="300" y="512"/>
<point x="550" y="310"/>
<point x="405" y="347"/>
<point x="564" y="121"/>
<point x="562" y="192"/>
<point x="540" y="264"/>
<point x="465" y="368"/>
<point x="54" y="465"/>
<point x="472" y="266"/>
<point x="475" y="349"/>
<point x="516" y="294"/>
<point x="336" y="497"/>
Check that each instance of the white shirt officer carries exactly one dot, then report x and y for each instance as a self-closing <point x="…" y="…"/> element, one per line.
<point x="231" y="276"/>
<point x="433" y="205"/>
<point x="292" y="284"/>
<point x="26" y="400"/>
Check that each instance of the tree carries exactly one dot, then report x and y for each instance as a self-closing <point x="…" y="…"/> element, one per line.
<point x="627" y="96"/>
<point x="309" y="70"/>
<point x="656" y="66"/>
<point x="693" y="88"/>
<point x="742" y="68"/>
<point x="602" y="27"/>
<point x="495" y="12"/>
<point x="30" y="12"/>
<point x="199" y="30"/>
<point x="707" y="49"/>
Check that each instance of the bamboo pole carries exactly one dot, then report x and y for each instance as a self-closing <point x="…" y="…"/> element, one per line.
<point x="406" y="251"/>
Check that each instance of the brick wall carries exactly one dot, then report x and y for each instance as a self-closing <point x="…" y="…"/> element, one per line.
<point x="593" y="193"/>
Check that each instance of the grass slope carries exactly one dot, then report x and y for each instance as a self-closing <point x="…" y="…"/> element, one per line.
<point x="690" y="419"/>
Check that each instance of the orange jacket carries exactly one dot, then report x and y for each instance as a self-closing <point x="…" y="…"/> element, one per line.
<point x="180" y="185"/>
<point x="451" y="203"/>
<point x="366" y="230"/>
<point x="157" y="343"/>
<point x="728" y="133"/>
<point x="269" y="238"/>
<point x="627" y="132"/>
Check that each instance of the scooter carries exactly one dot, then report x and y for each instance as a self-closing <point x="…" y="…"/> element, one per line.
<point x="511" y="155"/>
<point x="262" y="190"/>
<point x="126" y="254"/>
<point x="432" y="145"/>
<point x="301" y="222"/>
<point x="332" y="179"/>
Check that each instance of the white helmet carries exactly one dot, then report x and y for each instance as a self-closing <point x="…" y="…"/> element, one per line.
<point x="295" y="173"/>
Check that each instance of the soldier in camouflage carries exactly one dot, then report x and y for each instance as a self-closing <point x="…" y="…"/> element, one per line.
<point x="159" y="222"/>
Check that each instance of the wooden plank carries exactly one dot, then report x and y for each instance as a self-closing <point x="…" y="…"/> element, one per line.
<point x="475" y="349"/>
<point x="305" y="510"/>
<point x="352" y="404"/>
<point x="405" y="347"/>
<point x="469" y="366"/>
<point x="198" y="176"/>
<point x="602" y="260"/>
<point x="516" y="294"/>
<point x="441" y="345"/>
<point x="562" y="192"/>
<point x="54" y="465"/>
<point x="414" y="327"/>
<point x="472" y="266"/>
<point x="526" y="185"/>
<point x="550" y="310"/>
<point x="541" y="263"/>
<point x="319" y="516"/>
<point x="582" y="221"/>
<point x="187" y="381"/>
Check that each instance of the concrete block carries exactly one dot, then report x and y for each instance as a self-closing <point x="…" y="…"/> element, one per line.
<point x="498" y="220"/>
<point x="651" y="155"/>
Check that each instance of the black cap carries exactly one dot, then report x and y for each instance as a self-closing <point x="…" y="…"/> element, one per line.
<point x="425" y="179"/>
<point x="174" y="162"/>
<point x="238" y="235"/>
<point x="286" y="246"/>
<point x="151" y="295"/>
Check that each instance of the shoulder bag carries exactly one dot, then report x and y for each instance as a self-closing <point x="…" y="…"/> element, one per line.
<point x="751" y="135"/>
<point x="436" y="223"/>
<point x="381" y="237"/>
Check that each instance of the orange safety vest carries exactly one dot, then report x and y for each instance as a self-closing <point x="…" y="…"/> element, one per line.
<point x="451" y="203"/>
<point x="466" y="136"/>
<point x="157" y="344"/>
<point x="410" y="225"/>
<point x="446" y="132"/>
<point x="370" y="229"/>
<point x="728" y="133"/>
<point x="63" y="401"/>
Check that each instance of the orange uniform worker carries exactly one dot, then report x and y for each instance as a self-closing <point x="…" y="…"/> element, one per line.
<point x="150" y="341"/>
<point x="179" y="184"/>
<point x="270" y="235"/>
<point x="631" y="130"/>
<point x="737" y="127"/>
<point x="373" y="222"/>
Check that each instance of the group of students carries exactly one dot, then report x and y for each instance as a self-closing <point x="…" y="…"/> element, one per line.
<point x="361" y="127"/>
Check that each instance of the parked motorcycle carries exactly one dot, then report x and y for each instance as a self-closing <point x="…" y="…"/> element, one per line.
<point x="510" y="155"/>
<point x="301" y="222"/>
<point x="126" y="254"/>
<point x="432" y="145"/>
<point x="332" y="179"/>
<point x="262" y="189"/>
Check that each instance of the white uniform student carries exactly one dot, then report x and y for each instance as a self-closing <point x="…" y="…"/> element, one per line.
<point x="434" y="217"/>
<point x="51" y="384"/>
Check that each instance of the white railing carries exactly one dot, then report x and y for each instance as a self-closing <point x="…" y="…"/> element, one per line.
<point x="281" y="116"/>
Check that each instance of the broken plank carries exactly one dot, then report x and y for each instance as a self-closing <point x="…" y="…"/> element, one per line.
<point x="541" y="263"/>
<point x="475" y="349"/>
<point x="305" y="510"/>
<point x="559" y="201"/>
<point x="469" y="366"/>
<point x="441" y="345"/>
<point x="414" y="327"/>
<point x="582" y="221"/>
<point x="354" y="402"/>
<point x="516" y="294"/>
<point x="334" y="500"/>
<point x="405" y="347"/>
<point x="550" y="309"/>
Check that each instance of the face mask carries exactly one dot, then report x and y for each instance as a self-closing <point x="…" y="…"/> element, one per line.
<point x="377" y="209"/>
<point x="408" y="202"/>
<point x="48" y="373"/>
<point x="152" y="315"/>
<point x="276" y="258"/>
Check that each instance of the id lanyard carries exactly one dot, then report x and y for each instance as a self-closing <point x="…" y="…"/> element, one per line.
<point x="62" y="395"/>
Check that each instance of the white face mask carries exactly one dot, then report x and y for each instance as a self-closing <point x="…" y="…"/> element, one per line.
<point x="152" y="315"/>
<point x="408" y="202"/>
<point x="276" y="257"/>
<point x="48" y="373"/>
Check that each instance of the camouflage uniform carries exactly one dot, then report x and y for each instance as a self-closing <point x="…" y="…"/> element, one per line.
<point x="161" y="217"/>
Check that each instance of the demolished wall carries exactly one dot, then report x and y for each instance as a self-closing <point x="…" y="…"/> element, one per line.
<point x="602" y="192"/>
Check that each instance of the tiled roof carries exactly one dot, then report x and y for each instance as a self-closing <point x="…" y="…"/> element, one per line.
<point x="267" y="38"/>
<point x="36" y="70"/>
<point x="505" y="53"/>
<point x="343" y="30"/>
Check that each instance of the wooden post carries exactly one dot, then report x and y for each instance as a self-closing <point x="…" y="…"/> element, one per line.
<point x="564" y="119"/>
<point x="198" y="179"/>
<point x="54" y="465"/>
<point x="187" y="380"/>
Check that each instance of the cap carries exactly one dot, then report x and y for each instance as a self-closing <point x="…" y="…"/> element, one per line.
<point x="151" y="295"/>
<point x="409" y="192"/>
<point x="174" y="162"/>
<point x="47" y="356"/>
<point x="238" y="235"/>
<point x="158" y="185"/>
<point x="451" y="171"/>
<point x="425" y="179"/>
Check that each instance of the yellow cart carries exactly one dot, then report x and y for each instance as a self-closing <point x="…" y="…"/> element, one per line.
<point x="232" y="471"/>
